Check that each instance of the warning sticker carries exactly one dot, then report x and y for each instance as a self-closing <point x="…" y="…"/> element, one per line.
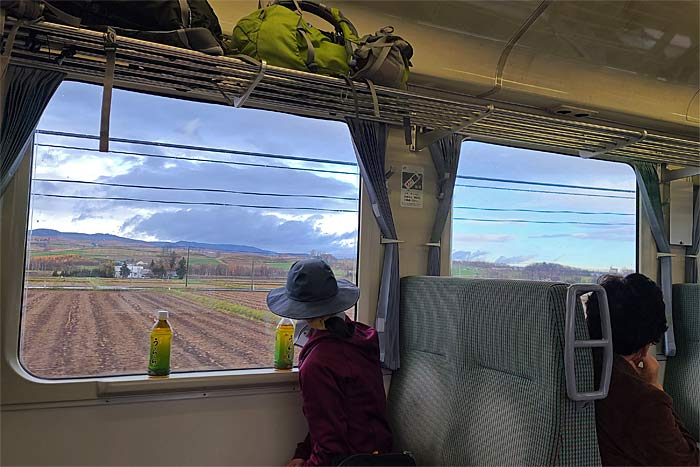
<point x="411" y="187"/>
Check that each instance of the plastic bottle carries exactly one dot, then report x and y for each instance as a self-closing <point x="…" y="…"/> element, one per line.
<point x="284" y="345"/>
<point x="159" y="355"/>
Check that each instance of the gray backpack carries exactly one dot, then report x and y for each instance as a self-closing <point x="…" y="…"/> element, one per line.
<point x="383" y="58"/>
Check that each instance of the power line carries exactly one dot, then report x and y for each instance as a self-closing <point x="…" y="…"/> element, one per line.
<point x="522" y="190"/>
<point x="279" y="156"/>
<point x="544" y="211"/>
<point x="198" y="148"/>
<point x="209" y="190"/>
<point x="191" y="203"/>
<point x="200" y="159"/>
<point x="557" y="185"/>
<point x="523" y="221"/>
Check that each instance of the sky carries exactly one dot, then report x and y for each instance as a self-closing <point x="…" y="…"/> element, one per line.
<point x="75" y="108"/>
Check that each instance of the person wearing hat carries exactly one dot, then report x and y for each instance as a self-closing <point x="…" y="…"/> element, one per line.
<point x="340" y="374"/>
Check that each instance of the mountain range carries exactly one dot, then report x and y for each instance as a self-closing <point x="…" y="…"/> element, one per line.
<point x="99" y="238"/>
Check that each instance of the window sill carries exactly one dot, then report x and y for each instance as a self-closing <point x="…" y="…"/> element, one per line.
<point x="178" y="386"/>
<point x="214" y="380"/>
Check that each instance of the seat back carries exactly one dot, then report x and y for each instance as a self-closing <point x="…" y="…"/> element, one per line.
<point x="682" y="376"/>
<point x="482" y="378"/>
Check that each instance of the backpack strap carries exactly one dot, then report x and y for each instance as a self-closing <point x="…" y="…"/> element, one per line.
<point x="310" y="51"/>
<point x="355" y="99"/>
<point x="185" y="13"/>
<point x="375" y="99"/>
<point x="317" y="9"/>
<point x="61" y="15"/>
<point x="379" y="60"/>
<point x="111" y="57"/>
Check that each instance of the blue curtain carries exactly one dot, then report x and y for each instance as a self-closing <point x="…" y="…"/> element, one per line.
<point x="691" y="260"/>
<point x="445" y="154"/>
<point x="648" y="183"/>
<point x="370" y="140"/>
<point x="27" y="93"/>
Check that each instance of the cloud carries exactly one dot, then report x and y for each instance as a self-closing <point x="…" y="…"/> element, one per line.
<point x="241" y="226"/>
<point x="514" y="259"/>
<point x="475" y="255"/>
<point x="496" y="238"/>
<point x="623" y="234"/>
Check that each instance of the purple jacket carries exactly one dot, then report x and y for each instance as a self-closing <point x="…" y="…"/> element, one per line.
<point x="343" y="396"/>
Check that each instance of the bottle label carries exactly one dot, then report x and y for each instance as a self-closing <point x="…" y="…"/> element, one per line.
<point x="284" y="348"/>
<point x="159" y="355"/>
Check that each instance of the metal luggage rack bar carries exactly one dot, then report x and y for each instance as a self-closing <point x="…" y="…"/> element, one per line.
<point x="182" y="73"/>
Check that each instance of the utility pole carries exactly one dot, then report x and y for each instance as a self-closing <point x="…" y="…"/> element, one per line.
<point x="252" y="275"/>
<point x="187" y="267"/>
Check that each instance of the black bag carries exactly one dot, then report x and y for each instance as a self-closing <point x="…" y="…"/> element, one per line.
<point x="190" y="24"/>
<point x="402" y="459"/>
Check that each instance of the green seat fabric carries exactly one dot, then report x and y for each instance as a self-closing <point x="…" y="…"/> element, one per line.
<point x="682" y="377"/>
<point x="482" y="376"/>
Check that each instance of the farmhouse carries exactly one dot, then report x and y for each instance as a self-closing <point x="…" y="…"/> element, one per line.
<point x="136" y="271"/>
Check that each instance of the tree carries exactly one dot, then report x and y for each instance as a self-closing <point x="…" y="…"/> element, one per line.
<point x="172" y="262"/>
<point x="124" y="271"/>
<point x="106" y="269"/>
<point x="158" y="270"/>
<point x="181" y="270"/>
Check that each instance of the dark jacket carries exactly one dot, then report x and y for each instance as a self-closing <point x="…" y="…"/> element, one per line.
<point x="636" y="424"/>
<point x="343" y="396"/>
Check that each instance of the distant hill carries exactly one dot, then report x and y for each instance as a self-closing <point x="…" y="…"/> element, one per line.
<point x="100" y="238"/>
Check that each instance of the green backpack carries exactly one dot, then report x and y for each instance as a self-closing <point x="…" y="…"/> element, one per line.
<point x="279" y="35"/>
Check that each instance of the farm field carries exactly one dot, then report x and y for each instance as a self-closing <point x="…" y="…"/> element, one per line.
<point x="74" y="333"/>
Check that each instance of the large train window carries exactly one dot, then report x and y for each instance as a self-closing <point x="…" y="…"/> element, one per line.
<point x="523" y="214"/>
<point x="198" y="209"/>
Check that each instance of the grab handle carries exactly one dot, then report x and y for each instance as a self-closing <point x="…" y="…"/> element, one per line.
<point x="571" y="344"/>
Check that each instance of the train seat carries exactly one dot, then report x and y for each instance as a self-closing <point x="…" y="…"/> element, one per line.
<point x="683" y="370"/>
<point x="482" y="376"/>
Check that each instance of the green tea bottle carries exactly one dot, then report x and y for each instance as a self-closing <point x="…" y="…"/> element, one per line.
<point x="159" y="355"/>
<point x="284" y="345"/>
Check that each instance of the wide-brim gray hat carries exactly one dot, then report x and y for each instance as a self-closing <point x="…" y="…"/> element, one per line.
<point x="312" y="291"/>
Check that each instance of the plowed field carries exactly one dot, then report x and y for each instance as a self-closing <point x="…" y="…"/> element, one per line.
<point x="70" y="333"/>
<point x="255" y="300"/>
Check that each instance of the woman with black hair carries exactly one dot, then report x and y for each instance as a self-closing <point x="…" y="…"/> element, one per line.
<point x="339" y="371"/>
<point x="636" y="424"/>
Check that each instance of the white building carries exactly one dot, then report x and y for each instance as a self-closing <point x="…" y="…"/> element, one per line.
<point x="136" y="271"/>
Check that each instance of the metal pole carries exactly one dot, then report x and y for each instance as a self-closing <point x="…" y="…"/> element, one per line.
<point x="666" y="202"/>
<point x="187" y="267"/>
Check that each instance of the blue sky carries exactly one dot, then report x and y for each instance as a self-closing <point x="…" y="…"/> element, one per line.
<point x="75" y="109"/>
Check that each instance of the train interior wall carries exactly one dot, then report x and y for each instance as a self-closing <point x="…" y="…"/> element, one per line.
<point x="255" y="419"/>
<point x="257" y="424"/>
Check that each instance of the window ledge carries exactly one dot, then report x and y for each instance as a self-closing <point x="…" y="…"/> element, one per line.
<point x="197" y="381"/>
<point x="178" y="386"/>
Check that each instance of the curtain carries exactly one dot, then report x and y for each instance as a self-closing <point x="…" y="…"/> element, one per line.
<point x="445" y="154"/>
<point x="370" y="140"/>
<point x="648" y="183"/>
<point x="27" y="91"/>
<point x="691" y="260"/>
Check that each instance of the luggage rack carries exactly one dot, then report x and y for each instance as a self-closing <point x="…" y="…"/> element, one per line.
<point x="170" y="71"/>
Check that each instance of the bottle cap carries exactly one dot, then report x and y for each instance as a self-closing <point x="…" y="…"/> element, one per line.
<point x="162" y="314"/>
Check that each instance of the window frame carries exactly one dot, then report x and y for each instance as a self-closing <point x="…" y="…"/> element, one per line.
<point x="20" y="387"/>
<point x="639" y="218"/>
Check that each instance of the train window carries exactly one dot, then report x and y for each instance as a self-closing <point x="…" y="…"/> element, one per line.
<point x="523" y="214"/>
<point x="198" y="209"/>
